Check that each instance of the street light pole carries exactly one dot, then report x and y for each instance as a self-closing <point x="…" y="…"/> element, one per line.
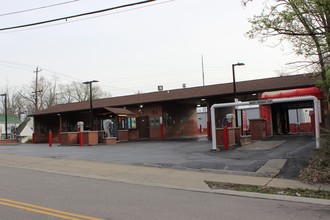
<point x="234" y="86"/>
<point x="90" y="101"/>
<point x="6" y="123"/>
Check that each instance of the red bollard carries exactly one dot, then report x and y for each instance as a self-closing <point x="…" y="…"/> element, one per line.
<point x="161" y="131"/>
<point x="50" y="138"/>
<point x="80" y="139"/>
<point x="225" y="137"/>
<point x="33" y="139"/>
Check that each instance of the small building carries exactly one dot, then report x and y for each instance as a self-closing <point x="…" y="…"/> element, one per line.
<point x="25" y="130"/>
<point x="12" y="123"/>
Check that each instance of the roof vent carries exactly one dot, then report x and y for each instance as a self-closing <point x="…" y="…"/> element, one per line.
<point x="160" y="88"/>
<point x="184" y="85"/>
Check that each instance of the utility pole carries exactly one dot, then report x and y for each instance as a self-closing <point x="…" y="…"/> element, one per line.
<point x="203" y="71"/>
<point x="36" y="89"/>
<point x="6" y="115"/>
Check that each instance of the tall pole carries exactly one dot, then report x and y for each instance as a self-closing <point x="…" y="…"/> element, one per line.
<point x="6" y="123"/>
<point x="90" y="101"/>
<point x="36" y="89"/>
<point x="234" y="81"/>
<point x="203" y="71"/>
<point x="91" y="104"/>
<point x="234" y="86"/>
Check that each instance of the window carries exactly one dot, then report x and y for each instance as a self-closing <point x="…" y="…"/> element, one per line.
<point x="122" y="123"/>
<point x="132" y="123"/>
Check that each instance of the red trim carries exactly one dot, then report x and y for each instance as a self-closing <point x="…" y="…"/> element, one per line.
<point x="314" y="91"/>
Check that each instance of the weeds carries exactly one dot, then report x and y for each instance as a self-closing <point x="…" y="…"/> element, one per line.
<point x="318" y="170"/>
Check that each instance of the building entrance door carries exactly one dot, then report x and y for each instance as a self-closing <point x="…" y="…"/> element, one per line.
<point x="144" y="126"/>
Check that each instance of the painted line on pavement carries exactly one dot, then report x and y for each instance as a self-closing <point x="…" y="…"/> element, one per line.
<point x="44" y="210"/>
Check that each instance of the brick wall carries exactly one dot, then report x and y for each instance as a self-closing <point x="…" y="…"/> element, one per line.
<point x="8" y="141"/>
<point x="111" y="140"/>
<point x="72" y="138"/>
<point x="181" y="121"/>
<point x="258" y="129"/>
<point x="69" y="138"/>
<point x="133" y="134"/>
<point x="123" y="135"/>
<point x="154" y="112"/>
<point x="302" y="127"/>
<point x="231" y="136"/>
<point x="90" y="137"/>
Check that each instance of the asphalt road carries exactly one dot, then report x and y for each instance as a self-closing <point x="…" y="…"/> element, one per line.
<point x="110" y="200"/>
<point x="182" y="154"/>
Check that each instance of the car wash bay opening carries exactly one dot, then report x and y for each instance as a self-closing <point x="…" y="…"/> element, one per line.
<point x="305" y="101"/>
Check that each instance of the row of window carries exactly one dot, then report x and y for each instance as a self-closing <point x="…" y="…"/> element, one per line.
<point x="125" y="123"/>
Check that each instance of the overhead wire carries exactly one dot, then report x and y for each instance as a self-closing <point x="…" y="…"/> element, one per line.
<point x="38" y="8"/>
<point x="93" y="17"/>
<point x="76" y="16"/>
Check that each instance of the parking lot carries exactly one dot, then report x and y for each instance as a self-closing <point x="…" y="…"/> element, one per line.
<point x="185" y="154"/>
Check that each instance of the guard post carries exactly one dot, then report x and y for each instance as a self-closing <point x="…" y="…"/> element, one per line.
<point x="80" y="139"/>
<point x="50" y="138"/>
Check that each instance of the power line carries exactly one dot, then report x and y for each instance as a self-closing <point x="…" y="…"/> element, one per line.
<point x="38" y="8"/>
<point x="75" y="16"/>
<point x="62" y="75"/>
<point x="17" y="64"/>
<point x="93" y="17"/>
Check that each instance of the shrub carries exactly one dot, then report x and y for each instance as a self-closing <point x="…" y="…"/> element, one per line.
<point x="318" y="170"/>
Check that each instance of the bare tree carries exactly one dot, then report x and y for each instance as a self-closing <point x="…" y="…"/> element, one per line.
<point x="23" y="101"/>
<point x="78" y="92"/>
<point x="45" y="96"/>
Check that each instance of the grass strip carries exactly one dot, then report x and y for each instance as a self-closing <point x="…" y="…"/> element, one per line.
<point x="318" y="194"/>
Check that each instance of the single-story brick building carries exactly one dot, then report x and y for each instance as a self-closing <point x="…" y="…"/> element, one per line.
<point x="157" y="115"/>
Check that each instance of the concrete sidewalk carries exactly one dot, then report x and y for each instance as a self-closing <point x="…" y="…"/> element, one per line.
<point x="154" y="176"/>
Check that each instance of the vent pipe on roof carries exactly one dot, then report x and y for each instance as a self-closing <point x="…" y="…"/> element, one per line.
<point x="160" y="88"/>
<point x="184" y="85"/>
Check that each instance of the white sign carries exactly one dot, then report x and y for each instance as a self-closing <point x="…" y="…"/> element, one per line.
<point x="261" y="102"/>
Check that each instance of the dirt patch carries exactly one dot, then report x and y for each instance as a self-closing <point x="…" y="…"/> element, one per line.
<point x="320" y="194"/>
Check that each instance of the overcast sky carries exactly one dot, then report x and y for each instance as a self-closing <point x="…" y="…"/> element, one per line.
<point x="135" y="50"/>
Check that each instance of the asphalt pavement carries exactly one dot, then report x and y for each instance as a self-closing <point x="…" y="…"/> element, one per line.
<point x="176" y="164"/>
<point x="280" y="156"/>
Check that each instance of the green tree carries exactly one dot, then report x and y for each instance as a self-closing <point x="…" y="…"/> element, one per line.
<point x="306" y="25"/>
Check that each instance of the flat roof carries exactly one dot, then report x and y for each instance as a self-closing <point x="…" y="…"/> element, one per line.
<point x="243" y="87"/>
